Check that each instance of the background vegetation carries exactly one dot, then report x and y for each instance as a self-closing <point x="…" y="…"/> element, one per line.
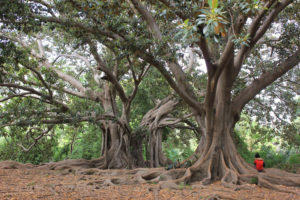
<point x="85" y="142"/>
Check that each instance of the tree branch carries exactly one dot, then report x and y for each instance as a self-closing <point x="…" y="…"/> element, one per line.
<point x="33" y="91"/>
<point x="35" y="139"/>
<point x="41" y="55"/>
<point x="181" y="85"/>
<point x="83" y="92"/>
<point x="88" y="64"/>
<point x="137" y="80"/>
<point x="202" y="43"/>
<point x="170" y="4"/>
<point x="111" y="77"/>
<point x="266" y="24"/>
<point x="146" y="15"/>
<point x="236" y="29"/>
<point x="257" y="34"/>
<point x="68" y="22"/>
<point x="182" y="91"/>
<point x="265" y="79"/>
<point x="70" y="120"/>
<point x="41" y="79"/>
<point x="16" y="95"/>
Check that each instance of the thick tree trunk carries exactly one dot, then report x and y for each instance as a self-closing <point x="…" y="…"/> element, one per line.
<point x="154" y="151"/>
<point x="116" y="151"/>
<point x="219" y="159"/>
<point x="154" y="120"/>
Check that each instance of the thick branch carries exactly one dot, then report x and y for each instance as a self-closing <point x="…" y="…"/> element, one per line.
<point x="257" y="34"/>
<point x="256" y="21"/>
<point x="111" y="77"/>
<point x="69" y="22"/>
<point x="265" y="79"/>
<point x="33" y="91"/>
<point x="182" y="85"/>
<point x="235" y="29"/>
<point x="182" y="91"/>
<point x="146" y="15"/>
<point x="207" y="56"/>
<point x="266" y="24"/>
<point x="16" y="95"/>
<point x="70" y="120"/>
<point x="170" y="4"/>
<point x="36" y="139"/>
<point x="41" y="79"/>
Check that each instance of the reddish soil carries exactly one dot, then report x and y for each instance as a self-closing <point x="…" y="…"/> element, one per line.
<point x="29" y="182"/>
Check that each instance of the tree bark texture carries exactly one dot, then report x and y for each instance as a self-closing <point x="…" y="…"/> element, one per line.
<point x="116" y="151"/>
<point x="218" y="157"/>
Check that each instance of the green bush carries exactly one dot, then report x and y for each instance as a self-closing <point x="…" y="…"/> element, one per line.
<point x="294" y="159"/>
<point x="87" y="146"/>
<point x="42" y="152"/>
<point x="242" y="148"/>
<point x="273" y="158"/>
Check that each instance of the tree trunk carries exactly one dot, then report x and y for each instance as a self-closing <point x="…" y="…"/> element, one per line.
<point x="116" y="151"/>
<point x="154" y="150"/>
<point x="154" y="120"/>
<point x="219" y="159"/>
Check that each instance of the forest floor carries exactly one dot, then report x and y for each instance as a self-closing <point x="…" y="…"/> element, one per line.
<point x="24" y="182"/>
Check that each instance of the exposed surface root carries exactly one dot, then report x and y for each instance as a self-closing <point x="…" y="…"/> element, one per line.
<point x="66" y="164"/>
<point x="201" y="172"/>
<point x="151" y="175"/>
<point x="108" y="182"/>
<point x="236" y="177"/>
<point x="15" y="165"/>
<point x="94" y="183"/>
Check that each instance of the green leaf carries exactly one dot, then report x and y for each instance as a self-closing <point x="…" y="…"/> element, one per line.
<point x="186" y="22"/>
<point x="210" y="3"/>
<point x="213" y="4"/>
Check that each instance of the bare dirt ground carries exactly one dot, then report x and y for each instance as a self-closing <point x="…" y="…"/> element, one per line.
<point x="30" y="182"/>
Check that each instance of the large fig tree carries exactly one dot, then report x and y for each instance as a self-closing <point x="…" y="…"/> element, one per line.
<point x="227" y="35"/>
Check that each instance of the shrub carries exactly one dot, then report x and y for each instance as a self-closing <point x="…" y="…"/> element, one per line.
<point x="294" y="159"/>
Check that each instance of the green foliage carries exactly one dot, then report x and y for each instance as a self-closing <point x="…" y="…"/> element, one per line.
<point x="271" y="157"/>
<point x="211" y="20"/>
<point x="152" y="88"/>
<point x="254" y="180"/>
<point x="88" y="147"/>
<point x="42" y="152"/>
<point x="179" y="145"/>
<point x="250" y="138"/>
<point x="292" y="163"/>
<point x="86" y="144"/>
<point x="242" y="148"/>
<point x="294" y="159"/>
<point x="112" y="25"/>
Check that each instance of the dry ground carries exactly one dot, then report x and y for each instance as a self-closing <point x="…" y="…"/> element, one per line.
<point x="29" y="182"/>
